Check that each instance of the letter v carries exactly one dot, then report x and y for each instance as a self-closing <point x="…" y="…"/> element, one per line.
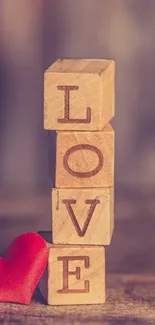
<point x="93" y="203"/>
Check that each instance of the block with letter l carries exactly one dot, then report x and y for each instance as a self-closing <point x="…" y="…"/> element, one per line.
<point x="82" y="216"/>
<point x="79" y="94"/>
<point x="74" y="275"/>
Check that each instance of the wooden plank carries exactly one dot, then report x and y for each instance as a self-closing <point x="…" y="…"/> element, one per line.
<point x="85" y="159"/>
<point x="73" y="276"/>
<point x="82" y="216"/>
<point x="79" y="94"/>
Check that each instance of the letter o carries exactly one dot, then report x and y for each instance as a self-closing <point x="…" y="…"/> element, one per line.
<point x="83" y="147"/>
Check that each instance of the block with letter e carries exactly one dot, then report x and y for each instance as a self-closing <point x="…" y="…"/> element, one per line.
<point x="79" y="94"/>
<point x="74" y="275"/>
<point x="85" y="159"/>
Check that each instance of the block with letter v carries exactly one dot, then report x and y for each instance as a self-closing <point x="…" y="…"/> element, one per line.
<point x="82" y="216"/>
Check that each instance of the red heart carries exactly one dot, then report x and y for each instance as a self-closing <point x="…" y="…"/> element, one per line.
<point x="22" y="268"/>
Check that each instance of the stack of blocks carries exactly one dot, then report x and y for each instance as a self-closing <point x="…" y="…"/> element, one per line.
<point x="79" y="103"/>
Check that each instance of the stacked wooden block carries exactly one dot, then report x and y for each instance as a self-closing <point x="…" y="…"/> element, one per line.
<point x="79" y="103"/>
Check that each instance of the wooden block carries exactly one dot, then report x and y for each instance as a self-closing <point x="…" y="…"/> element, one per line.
<point x="82" y="216"/>
<point x="79" y="95"/>
<point x="85" y="159"/>
<point x="75" y="275"/>
<point x="51" y="156"/>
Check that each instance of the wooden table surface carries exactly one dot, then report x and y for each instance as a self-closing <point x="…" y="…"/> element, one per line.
<point x="130" y="261"/>
<point x="130" y="300"/>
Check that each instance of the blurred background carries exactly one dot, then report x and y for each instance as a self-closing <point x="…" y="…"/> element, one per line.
<point x="34" y="33"/>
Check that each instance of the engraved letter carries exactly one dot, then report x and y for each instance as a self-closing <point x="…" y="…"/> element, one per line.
<point x="66" y="273"/>
<point x="83" y="147"/>
<point x="93" y="203"/>
<point x="66" y="118"/>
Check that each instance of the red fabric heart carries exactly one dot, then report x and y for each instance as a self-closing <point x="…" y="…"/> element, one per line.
<point x="22" y="268"/>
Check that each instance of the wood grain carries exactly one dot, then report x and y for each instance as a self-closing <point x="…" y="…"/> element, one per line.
<point x="79" y="94"/>
<point x="73" y="276"/>
<point x="85" y="159"/>
<point x="130" y="301"/>
<point x="82" y="216"/>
